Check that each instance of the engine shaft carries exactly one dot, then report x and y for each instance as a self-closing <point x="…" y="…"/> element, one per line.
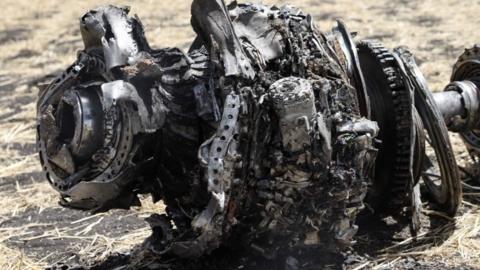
<point x="459" y="104"/>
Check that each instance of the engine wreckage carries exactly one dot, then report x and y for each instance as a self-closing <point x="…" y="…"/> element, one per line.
<point x="267" y="131"/>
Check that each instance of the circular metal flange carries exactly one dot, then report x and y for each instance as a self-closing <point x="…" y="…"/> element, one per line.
<point x="391" y="107"/>
<point x="445" y="188"/>
<point x="460" y="114"/>
<point x="467" y="71"/>
<point x="80" y="117"/>
<point x="84" y="148"/>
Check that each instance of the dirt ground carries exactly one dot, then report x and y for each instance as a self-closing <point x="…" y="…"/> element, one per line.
<point x="39" y="38"/>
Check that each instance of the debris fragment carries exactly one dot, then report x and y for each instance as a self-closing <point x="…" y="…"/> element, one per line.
<point x="267" y="131"/>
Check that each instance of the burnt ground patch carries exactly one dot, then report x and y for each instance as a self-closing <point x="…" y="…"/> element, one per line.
<point x="426" y="21"/>
<point x="379" y="234"/>
<point x="24" y="53"/>
<point x="15" y="111"/>
<point x="65" y="46"/>
<point x="9" y="184"/>
<point x="14" y="34"/>
<point x="22" y="149"/>
<point x="10" y="82"/>
<point x="15" y="105"/>
<point x="375" y="236"/>
<point x="43" y="81"/>
<point x="220" y="259"/>
<point x="394" y="8"/>
<point x="441" y="47"/>
<point x="7" y="83"/>
<point x="326" y="16"/>
<point x="381" y="36"/>
<point x="42" y="233"/>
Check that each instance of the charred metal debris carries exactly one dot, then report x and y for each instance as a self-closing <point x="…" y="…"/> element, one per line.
<point x="267" y="128"/>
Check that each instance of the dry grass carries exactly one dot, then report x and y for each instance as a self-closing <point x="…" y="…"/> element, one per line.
<point x="16" y="260"/>
<point x="92" y="246"/>
<point x="462" y="243"/>
<point x="44" y="38"/>
<point x="454" y="243"/>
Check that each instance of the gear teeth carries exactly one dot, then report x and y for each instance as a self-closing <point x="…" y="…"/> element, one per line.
<point x="402" y="101"/>
<point x="463" y="70"/>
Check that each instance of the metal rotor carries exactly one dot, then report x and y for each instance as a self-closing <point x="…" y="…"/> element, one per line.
<point x="392" y="108"/>
<point x="84" y="148"/>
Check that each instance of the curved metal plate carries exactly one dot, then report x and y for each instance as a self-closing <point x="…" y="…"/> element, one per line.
<point x="353" y="66"/>
<point x="449" y="193"/>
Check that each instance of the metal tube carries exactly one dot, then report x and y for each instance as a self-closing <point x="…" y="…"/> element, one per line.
<point x="450" y="104"/>
<point x="459" y="104"/>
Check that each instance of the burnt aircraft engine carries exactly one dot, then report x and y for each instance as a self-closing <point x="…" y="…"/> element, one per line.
<point x="267" y="128"/>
